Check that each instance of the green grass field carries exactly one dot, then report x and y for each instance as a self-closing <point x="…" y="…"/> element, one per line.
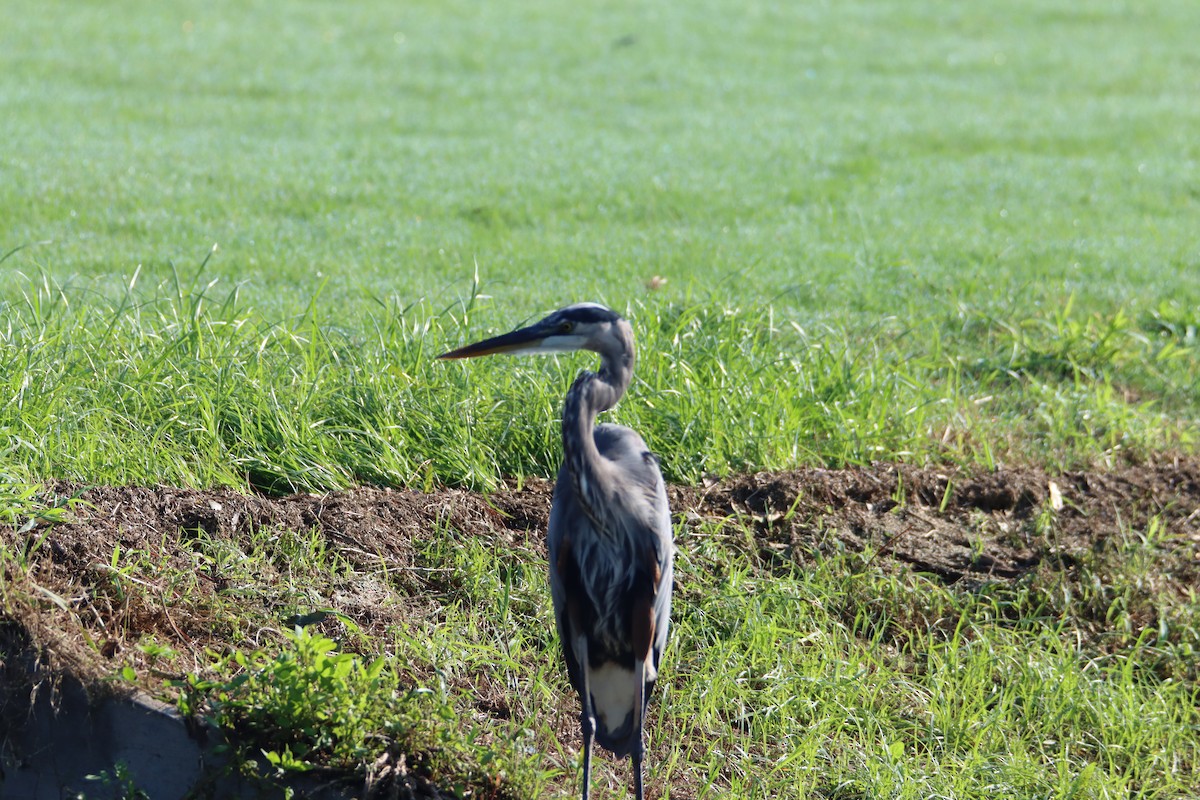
<point x="845" y="233"/>
<point x="886" y="232"/>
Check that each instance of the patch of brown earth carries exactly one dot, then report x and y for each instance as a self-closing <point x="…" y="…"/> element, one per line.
<point x="955" y="525"/>
<point x="72" y="564"/>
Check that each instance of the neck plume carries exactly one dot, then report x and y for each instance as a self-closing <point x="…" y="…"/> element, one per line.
<point x="590" y="394"/>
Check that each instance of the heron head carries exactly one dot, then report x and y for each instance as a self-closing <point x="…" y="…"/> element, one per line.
<point x="583" y="326"/>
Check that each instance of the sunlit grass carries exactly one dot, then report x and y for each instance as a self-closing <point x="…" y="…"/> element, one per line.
<point x="859" y="159"/>
<point x="853" y="232"/>
<point x="193" y="385"/>
<point x="831" y="680"/>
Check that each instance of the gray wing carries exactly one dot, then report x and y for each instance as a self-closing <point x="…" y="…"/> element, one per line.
<point x="630" y="503"/>
<point x="646" y="494"/>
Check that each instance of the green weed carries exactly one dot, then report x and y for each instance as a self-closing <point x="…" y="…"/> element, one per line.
<point x="309" y="705"/>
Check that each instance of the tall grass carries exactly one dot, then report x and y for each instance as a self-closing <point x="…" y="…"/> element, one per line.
<point x="186" y="382"/>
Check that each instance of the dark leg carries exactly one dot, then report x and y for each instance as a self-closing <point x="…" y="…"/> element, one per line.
<point x="639" y="747"/>
<point x="587" y="720"/>
<point x="587" y="726"/>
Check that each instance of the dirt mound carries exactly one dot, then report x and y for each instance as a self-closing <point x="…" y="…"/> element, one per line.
<point x="954" y="524"/>
<point x="950" y="523"/>
<point x="83" y="564"/>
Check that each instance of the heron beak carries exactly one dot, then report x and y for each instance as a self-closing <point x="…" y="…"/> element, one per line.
<point x="521" y="340"/>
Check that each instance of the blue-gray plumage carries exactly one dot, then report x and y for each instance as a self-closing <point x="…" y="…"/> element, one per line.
<point x="610" y="542"/>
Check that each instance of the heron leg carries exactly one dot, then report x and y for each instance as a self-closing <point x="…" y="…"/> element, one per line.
<point x="587" y="720"/>
<point x="638" y="752"/>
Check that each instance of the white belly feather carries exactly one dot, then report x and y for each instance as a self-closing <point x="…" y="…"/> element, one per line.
<point x="614" y="691"/>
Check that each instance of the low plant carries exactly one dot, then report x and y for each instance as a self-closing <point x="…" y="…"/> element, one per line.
<point x="310" y="706"/>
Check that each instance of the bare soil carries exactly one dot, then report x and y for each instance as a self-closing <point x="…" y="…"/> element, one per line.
<point x="950" y="524"/>
<point x="984" y="526"/>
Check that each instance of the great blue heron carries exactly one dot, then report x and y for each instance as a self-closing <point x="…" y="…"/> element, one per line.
<point x="610" y="542"/>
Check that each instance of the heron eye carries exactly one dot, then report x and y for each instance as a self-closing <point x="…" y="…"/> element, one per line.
<point x="566" y="327"/>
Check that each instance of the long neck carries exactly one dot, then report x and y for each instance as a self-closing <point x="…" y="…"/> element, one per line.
<point x="591" y="393"/>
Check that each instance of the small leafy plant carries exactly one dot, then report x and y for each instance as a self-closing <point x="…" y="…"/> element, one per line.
<point x="119" y="784"/>
<point x="306" y="705"/>
<point x="311" y="706"/>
